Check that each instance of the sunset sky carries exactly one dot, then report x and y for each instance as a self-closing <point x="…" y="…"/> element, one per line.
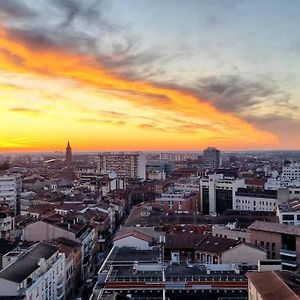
<point x="149" y="75"/>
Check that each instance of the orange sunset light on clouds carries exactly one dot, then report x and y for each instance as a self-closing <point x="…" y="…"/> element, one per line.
<point x="51" y="94"/>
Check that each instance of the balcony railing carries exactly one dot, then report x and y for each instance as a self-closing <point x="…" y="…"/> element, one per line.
<point x="289" y="263"/>
<point x="60" y="285"/>
<point x="290" y="253"/>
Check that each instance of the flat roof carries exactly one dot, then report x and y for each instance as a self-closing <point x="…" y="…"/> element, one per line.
<point x="275" y="228"/>
<point x="126" y="254"/>
<point x="277" y="285"/>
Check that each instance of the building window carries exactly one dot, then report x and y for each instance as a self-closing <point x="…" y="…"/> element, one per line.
<point x="288" y="217"/>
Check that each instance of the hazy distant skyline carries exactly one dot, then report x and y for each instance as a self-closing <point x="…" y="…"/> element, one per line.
<point x="149" y="75"/>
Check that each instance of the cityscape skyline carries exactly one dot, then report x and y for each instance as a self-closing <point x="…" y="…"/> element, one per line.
<point x="100" y="75"/>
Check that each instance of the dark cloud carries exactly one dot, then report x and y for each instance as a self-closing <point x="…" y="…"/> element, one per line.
<point x="14" y="9"/>
<point x="39" y="38"/>
<point x="234" y="93"/>
<point x="285" y="126"/>
<point x="85" y="27"/>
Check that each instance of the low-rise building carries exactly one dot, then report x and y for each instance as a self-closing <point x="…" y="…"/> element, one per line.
<point x="52" y="228"/>
<point x="144" y="275"/>
<point x="289" y="212"/>
<point x="277" y="285"/>
<point x="280" y="241"/>
<point x="255" y="199"/>
<point x="134" y="239"/>
<point x="231" y="232"/>
<point x="72" y="275"/>
<point x="177" y="201"/>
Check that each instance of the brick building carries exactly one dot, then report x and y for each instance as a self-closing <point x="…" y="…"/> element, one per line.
<point x="281" y="241"/>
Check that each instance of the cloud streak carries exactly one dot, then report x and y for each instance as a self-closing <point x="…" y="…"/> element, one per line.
<point x="86" y="70"/>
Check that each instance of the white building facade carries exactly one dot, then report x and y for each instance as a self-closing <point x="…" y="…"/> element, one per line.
<point x="217" y="193"/>
<point x="291" y="172"/>
<point x="10" y="190"/>
<point x="289" y="212"/>
<point x="37" y="274"/>
<point x="255" y="200"/>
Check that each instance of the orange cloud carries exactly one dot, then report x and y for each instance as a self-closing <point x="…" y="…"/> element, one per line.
<point x="200" y="120"/>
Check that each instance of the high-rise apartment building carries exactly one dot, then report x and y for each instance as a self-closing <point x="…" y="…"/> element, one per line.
<point x="10" y="190"/>
<point x="126" y="165"/>
<point x="211" y="158"/>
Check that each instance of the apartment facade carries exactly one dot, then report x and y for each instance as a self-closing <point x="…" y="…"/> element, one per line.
<point x="45" y="231"/>
<point x="289" y="212"/>
<point x="291" y="172"/>
<point x="10" y="190"/>
<point x="270" y="285"/>
<point x="293" y="186"/>
<point x="211" y="158"/>
<point x="252" y="199"/>
<point x="36" y="274"/>
<point x="126" y="165"/>
<point x="7" y="223"/>
<point x="177" y="201"/>
<point x="280" y="241"/>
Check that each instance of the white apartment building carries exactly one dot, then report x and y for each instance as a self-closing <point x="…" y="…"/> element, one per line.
<point x="217" y="193"/>
<point x="289" y="212"/>
<point x="7" y="224"/>
<point x="178" y="156"/>
<point x="187" y="187"/>
<point x="255" y="199"/>
<point x="126" y="165"/>
<point x="10" y="190"/>
<point x="291" y="172"/>
<point x="278" y="183"/>
<point x="36" y="274"/>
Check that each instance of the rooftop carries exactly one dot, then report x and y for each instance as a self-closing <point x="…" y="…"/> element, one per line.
<point x="28" y="262"/>
<point x="216" y="244"/>
<point x="125" y="254"/>
<point x="275" y="227"/>
<point x="290" y="206"/>
<point x="256" y="193"/>
<point x="276" y="285"/>
<point x="133" y="233"/>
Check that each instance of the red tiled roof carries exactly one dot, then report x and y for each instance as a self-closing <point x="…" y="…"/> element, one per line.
<point x="134" y="233"/>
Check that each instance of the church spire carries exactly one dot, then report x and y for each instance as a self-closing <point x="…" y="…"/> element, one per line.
<point x="68" y="158"/>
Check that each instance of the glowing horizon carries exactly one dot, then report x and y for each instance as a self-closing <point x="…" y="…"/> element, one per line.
<point x="49" y="94"/>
